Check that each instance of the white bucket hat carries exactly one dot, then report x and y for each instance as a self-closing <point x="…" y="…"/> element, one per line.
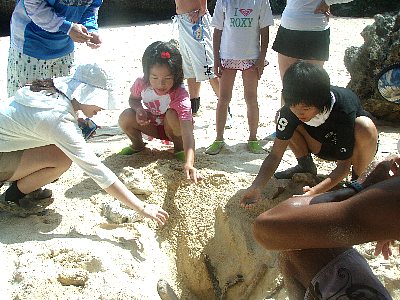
<point x="90" y="84"/>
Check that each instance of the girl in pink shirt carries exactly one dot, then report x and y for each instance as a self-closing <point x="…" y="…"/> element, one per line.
<point x="160" y="106"/>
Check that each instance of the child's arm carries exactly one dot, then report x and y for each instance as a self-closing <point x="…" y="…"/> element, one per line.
<point x="268" y="167"/>
<point x="189" y="149"/>
<point x="135" y="102"/>
<point x="260" y="63"/>
<point x="216" y="46"/>
<point x="337" y="174"/>
<point x="118" y="190"/>
<point x="141" y="114"/>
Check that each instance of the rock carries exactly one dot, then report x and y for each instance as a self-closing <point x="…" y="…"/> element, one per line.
<point x="305" y="178"/>
<point x="117" y="214"/>
<point x="381" y="49"/>
<point x="165" y="291"/>
<point x="71" y="276"/>
<point x="136" y="181"/>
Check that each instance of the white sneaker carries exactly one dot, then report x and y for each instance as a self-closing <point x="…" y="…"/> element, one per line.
<point x="229" y="121"/>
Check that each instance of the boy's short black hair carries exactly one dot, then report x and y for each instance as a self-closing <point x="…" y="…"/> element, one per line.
<point x="163" y="53"/>
<point x="308" y="84"/>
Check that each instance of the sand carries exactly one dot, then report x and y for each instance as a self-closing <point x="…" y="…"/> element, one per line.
<point x="87" y="246"/>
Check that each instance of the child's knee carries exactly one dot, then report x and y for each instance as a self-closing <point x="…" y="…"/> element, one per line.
<point x="125" y="117"/>
<point x="61" y="159"/>
<point x="365" y="129"/>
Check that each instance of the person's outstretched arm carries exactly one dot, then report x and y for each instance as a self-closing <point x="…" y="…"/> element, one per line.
<point x="152" y="211"/>
<point x="267" y="169"/>
<point x="189" y="149"/>
<point x="370" y="215"/>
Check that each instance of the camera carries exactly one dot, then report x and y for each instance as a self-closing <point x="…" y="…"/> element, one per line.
<point x="88" y="127"/>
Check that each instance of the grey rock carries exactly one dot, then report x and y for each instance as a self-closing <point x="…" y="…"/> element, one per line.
<point x="117" y="214"/>
<point x="381" y="49"/>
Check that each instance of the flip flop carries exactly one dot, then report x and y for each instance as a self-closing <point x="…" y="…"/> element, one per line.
<point x="180" y="155"/>
<point x="129" y="150"/>
<point x="254" y="147"/>
<point x="215" y="147"/>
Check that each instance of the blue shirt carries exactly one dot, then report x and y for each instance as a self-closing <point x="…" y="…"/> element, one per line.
<point x="40" y="28"/>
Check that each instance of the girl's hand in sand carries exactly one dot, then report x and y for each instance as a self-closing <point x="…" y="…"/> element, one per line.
<point x="155" y="213"/>
<point x="250" y="198"/>
<point x="192" y="173"/>
<point x="141" y="117"/>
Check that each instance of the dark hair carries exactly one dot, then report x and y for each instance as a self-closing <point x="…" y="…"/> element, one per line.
<point x="308" y="84"/>
<point x="163" y="53"/>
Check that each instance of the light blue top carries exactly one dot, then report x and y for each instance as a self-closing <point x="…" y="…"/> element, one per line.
<point x="40" y="28"/>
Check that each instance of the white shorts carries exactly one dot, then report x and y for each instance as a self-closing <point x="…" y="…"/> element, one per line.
<point x="197" y="55"/>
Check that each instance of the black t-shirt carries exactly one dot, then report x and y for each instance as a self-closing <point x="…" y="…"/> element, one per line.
<point x="336" y="134"/>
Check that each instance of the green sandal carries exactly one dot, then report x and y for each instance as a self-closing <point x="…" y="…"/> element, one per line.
<point x="215" y="147"/>
<point x="254" y="147"/>
<point x="129" y="150"/>
<point x="180" y="155"/>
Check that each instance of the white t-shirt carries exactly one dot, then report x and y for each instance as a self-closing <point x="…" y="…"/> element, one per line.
<point x="34" y="119"/>
<point x="240" y="22"/>
<point x="299" y="15"/>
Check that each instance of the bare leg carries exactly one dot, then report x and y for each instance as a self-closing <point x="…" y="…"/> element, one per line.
<point x="250" y="84"/>
<point x="127" y="122"/>
<point x="173" y="130"/>
<point x="215" y="85"/>
<point x="40" y="166"/>
<point x="302" y="143"/>
<point x="284" y="63"/>
<point x="366" y="138"/>
<point x="226" y="85"/>
<point x="193" y="87"/>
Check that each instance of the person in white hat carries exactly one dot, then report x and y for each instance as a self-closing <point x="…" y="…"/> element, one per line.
<point x="40" y="137"/>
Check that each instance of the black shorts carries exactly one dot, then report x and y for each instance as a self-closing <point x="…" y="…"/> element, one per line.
<point x="308" y="45"/>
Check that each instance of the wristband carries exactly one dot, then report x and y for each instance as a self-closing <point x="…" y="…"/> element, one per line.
<point x="355" y="185"/>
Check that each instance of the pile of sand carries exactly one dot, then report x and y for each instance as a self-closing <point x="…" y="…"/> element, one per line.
<point x="87" y="246"/>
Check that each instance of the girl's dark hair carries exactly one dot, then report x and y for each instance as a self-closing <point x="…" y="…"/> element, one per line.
<point x="163" y="53"/>
<point x="306" y="83"/>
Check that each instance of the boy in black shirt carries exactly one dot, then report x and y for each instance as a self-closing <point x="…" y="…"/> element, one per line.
<point x="321" y="119"/>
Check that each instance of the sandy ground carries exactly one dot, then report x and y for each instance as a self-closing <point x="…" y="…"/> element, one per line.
<point x="86" y="246"/>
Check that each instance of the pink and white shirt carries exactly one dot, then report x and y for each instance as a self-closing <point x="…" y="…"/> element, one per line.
<point x="158" y="105"/>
